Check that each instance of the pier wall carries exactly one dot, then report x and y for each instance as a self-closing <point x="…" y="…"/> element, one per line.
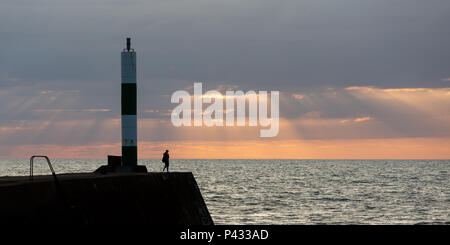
<point x="140" y="198"/>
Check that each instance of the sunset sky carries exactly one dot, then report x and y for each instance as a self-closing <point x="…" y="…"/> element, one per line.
<point x="359" y="79"/>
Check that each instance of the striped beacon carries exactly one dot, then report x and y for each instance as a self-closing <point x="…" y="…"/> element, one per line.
<point x="129" y="106"/>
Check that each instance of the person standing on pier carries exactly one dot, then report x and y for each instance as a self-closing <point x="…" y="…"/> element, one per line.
<point x="165" y="160"/>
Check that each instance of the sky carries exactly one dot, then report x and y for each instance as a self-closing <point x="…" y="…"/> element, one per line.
<point x="358" y="79"/>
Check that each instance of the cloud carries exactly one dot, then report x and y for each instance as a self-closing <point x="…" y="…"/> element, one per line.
<point x="96" y="110"/>
<point x="46" y="91"/>
<point x="251" y="44"/>
<point x="344" y="71"/>
<point x="347" y="113"/>
<point x="328" y="116"/>
<point x="368" y="111"/>
<point x="362" y="119"/>
<point x="71" y="111"/>
<point x="13" y="129"/>
<point x="356" y="120"/>
<point x="298" y="96"/>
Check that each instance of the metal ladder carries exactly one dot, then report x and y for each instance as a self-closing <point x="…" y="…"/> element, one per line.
<point x="49" y="165"/>
<point x="75" y="210"/>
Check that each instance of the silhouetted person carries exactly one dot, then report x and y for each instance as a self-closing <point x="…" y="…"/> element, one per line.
<point x="165" y="160"/>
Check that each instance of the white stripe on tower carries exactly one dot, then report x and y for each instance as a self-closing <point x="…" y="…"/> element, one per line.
<point x="129" y="131"/>
<point x="129" y="106"/>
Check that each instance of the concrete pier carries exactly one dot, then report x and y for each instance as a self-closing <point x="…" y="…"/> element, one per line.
<point x="134" y="198"/>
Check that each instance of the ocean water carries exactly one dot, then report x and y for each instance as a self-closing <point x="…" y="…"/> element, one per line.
<point x="302" y="191"/>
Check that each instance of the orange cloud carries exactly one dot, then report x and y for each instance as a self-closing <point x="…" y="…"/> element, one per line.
<point x="430" y="101"/>
<point x="362" y="119"/>
<point x="356" y="120"/>
<point x="377" y="130"/>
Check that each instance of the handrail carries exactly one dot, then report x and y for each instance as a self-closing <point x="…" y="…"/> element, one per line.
<point x="59" y="190"/>
<point x="49" y="165"/>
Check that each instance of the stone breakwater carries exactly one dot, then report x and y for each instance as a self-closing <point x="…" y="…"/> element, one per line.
<point x="139" y="198"/>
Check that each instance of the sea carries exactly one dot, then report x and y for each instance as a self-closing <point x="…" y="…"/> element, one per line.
<point x="259" y="192"/>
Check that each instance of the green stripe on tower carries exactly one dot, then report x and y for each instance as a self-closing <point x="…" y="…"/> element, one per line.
<point x="129" y="100"/>
<point x="129" y="155"/>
